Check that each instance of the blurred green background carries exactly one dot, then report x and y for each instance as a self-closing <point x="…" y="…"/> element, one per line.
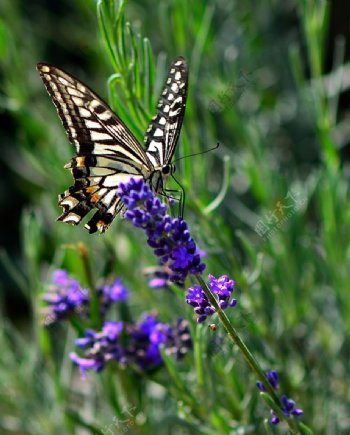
<point x="270" y="82"/>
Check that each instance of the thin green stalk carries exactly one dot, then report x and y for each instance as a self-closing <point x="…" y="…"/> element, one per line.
<point x="108" y="385"/>
<point x="94" y="299"/>
<point x="60" y="393"/>
<point x="198" y="358"/>
<point x="248" y="356"/>
<point x="314" y="17"/>
<point x="105" y="34"/>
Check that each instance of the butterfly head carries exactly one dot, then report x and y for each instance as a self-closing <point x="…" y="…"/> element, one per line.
<point x="168" y="170"/>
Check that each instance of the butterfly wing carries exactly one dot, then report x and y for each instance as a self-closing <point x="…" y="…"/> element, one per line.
<point x="164" y="129"/>
<point x="107" y="152"/>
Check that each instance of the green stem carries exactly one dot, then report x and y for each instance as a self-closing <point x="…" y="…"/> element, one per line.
<point x="248" y="356"/>
<point x="110" y="389"/>
<point x="95" y="317"/>
<point x="198" y="355"/>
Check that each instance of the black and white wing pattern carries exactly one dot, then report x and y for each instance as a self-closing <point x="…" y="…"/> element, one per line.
<point x="107" y="152"/>
<point x="164" y="129"/>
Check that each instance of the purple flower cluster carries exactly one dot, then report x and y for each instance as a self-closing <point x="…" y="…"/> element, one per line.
<point x="181" y="341"/>
<point x="101" y="347"/>
<point x="109" y="294"/>
<point x="66" y="297"/>
<point x="272" y="377"/>
<point x="158" y="277"/>
<point x="169" y="237"/>
<point x="139" y="346"/>
<point x="115" y="292"/>
<point x="160" y="280"/>
<point x="221" y="287"/>
<point x="288" y="407"/>
<point x="146" y="338"/>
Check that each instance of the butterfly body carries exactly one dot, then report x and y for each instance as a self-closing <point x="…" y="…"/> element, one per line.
<point x="107" y="153"/>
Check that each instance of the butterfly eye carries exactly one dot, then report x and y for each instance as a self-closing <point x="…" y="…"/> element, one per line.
<point x="166" y="169"/>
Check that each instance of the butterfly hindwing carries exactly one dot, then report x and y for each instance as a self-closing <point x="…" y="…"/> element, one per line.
<point x="164" y="129"/>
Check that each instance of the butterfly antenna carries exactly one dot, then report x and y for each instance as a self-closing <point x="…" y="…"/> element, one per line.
<point x="198" y="154"/>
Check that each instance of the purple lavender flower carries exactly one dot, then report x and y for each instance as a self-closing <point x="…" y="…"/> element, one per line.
<point x="288" y="410"/>
<point x="109" y="294"/>
<point x="100" y="348"/>
<point x="141" y="344"/>
<point x="158" y="277"/>
<point x="146" y="337"/>
<point x="181" y="340"/>
<point x="274" y="417"/>
<point x="288" y="407"/>
<point x="198" y="299"/>
<point x="65" y="298"/>
<point x="168" y="237"/>
<point x="222" y="287"/>
<point x="273" y="379"/>
<point x="159" y="282"/>
<point x="60" y="277"/>
<point x="116" y="292"/>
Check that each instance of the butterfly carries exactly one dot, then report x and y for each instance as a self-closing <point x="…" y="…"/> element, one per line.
<point x="107" y="153"/>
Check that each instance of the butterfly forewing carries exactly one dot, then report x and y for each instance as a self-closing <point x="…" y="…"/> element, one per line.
<point x="107" y="152"/>
<point x="164" y="129"/>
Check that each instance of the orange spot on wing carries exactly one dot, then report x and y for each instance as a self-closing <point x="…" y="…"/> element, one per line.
<point x="102" y="226"/>
<point x="91" y="189"/>
<point x="95" y="197"/>
<point x="80" y="161"/>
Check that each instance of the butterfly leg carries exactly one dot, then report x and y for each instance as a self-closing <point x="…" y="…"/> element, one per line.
<point x="167" y="193"/>
<point x="180" y="198"/>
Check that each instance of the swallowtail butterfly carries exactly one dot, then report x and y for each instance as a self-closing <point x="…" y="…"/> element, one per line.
<point x="107" y="153"/>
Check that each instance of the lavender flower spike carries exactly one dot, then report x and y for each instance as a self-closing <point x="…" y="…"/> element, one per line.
<point x="288" y="407"/>
<point x="272" y="377"/>
<point x="100" y="348"/>
<point x="169" y="237"/>
<point x="140" y="344"/>
<point x="65" y="297"/>
<point x="221" y="287"/>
